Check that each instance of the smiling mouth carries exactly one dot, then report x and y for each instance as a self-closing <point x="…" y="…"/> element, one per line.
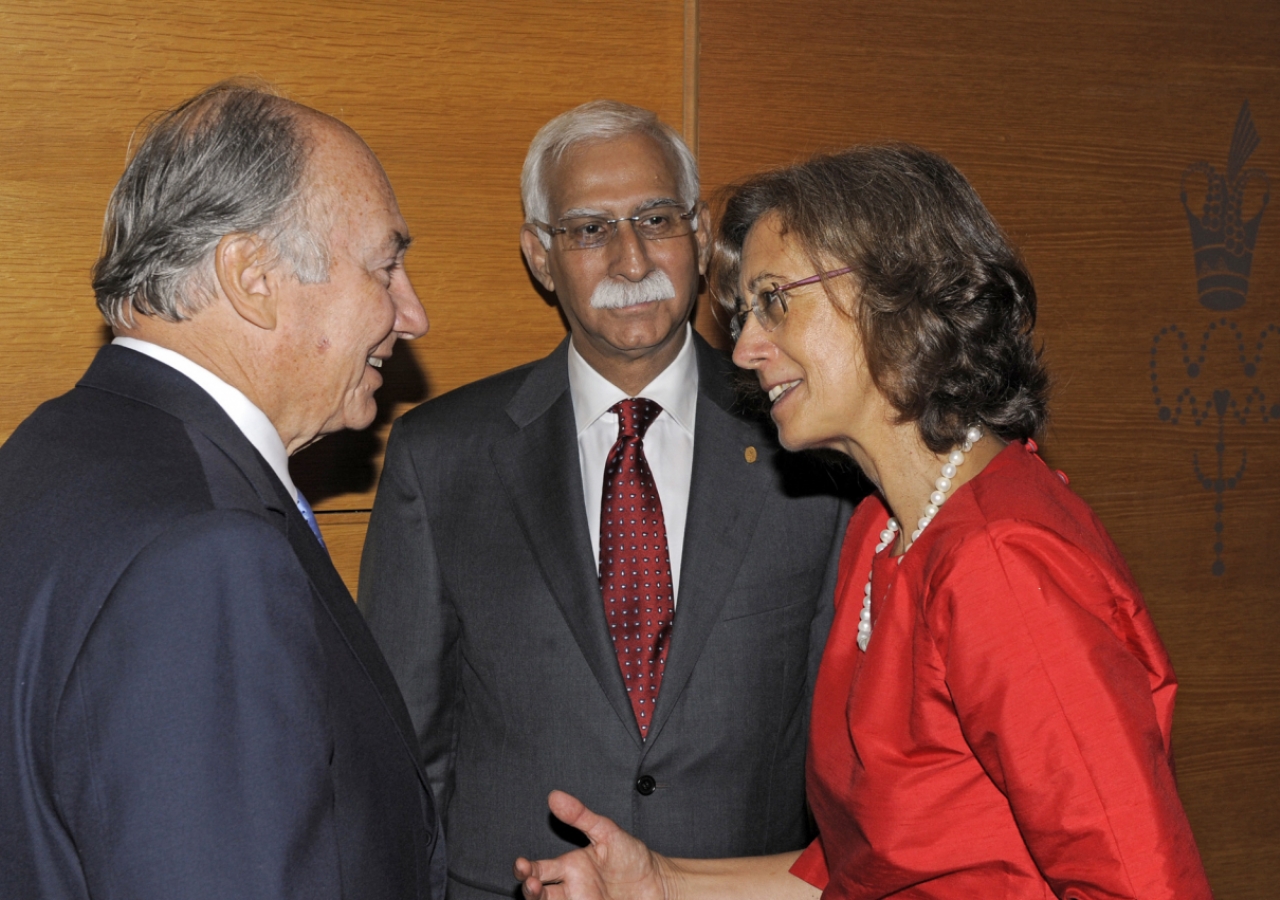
<point x="779" y="389"/>
<point x="375" y="362"/>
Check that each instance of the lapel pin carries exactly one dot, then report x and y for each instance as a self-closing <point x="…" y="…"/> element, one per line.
<point x="750" y="454"/>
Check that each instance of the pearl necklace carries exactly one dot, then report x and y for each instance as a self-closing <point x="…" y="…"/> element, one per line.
<point x="941" y="487"/>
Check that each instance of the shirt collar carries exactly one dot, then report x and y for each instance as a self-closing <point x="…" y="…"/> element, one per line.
<point x="252" y="422"/>
<point x="675" y="389"/>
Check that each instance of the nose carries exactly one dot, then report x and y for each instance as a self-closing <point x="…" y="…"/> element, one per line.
<point x="629" y="253"/>
<point x="753" y="347"/>
<point x="411" y="318"/>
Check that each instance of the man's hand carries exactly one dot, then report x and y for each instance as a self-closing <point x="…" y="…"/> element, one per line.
<point x="615" y="867"/>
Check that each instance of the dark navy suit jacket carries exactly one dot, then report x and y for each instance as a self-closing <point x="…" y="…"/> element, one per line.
<point x="192" y="706"/>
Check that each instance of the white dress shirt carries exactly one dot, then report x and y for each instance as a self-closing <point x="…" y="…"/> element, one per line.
<point x="252" y="422"/>
<point x="668" y="444"/>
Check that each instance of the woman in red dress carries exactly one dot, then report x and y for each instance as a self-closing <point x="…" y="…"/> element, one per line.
<point x="993" y="711"/>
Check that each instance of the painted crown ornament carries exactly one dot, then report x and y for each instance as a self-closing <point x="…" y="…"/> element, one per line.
<point x="1222" y="237"/>
<point x="1215" y="378"/>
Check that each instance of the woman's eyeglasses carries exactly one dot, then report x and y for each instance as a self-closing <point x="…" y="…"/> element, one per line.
<point x="770" y="307"/>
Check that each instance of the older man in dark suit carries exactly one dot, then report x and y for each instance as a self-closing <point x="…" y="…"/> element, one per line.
<point x="595" y="572"/>
<point x="193" y="706"/>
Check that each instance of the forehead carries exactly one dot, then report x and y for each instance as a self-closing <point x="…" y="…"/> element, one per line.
<point x="615" y="175"/>
<point x="352" y="187"/>
<point x="768" y="254"/>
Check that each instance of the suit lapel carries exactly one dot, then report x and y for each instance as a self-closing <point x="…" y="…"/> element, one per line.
<point x="135" y="375"/>
<point x="726" y="496"/>
<point x="341" y="607"/>
<point x="539" y="468"/>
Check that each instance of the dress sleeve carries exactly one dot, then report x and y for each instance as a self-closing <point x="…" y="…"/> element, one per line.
<point x="811" y="867"/>
<point x="1052" y="663"/>
<point x="839" y="660"/>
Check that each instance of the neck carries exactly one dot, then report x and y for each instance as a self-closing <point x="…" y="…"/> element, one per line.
<point x="909" y="476"/>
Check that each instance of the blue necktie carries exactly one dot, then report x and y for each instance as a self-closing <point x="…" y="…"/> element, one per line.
<point x="309" y="514"/>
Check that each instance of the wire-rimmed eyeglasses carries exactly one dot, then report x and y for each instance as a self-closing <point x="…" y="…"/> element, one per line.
<point x="592" y="232"/>
<point x="770" y="307"/>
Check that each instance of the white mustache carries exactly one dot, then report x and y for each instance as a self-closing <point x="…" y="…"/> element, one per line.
<point x="610" y="294"/>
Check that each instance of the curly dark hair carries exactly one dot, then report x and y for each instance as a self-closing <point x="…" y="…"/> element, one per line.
<point x="945" y="307"/>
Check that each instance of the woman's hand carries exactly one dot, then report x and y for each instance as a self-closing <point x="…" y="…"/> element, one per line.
<point x="618" y="867"/>
<point x="615" y="866"/>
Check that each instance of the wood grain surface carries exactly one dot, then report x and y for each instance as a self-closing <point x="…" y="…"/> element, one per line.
<point x="448" y="94"/>
<point x="1076" y="122"/>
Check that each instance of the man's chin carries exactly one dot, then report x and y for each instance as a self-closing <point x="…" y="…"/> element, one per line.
<point x="359" y="413"/>
<point x="364" y="419"/>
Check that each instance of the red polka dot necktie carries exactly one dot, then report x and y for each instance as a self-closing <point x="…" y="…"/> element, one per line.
<point x="635" y="566"/>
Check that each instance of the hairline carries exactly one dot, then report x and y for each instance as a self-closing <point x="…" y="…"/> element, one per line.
<point x="597" y="122"/>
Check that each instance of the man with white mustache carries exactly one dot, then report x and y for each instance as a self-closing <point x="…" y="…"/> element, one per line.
<point x="595" y="572"/>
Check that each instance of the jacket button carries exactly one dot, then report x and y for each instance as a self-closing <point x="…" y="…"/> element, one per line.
<point x="646" y="785"/>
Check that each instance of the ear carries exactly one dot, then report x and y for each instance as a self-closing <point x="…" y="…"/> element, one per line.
<point x="244" y="267"/>
<point x="703" y="237"/>
<point x="537" y="256"/>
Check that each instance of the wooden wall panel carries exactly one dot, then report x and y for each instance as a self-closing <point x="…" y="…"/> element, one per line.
<point x="447" y="93"/>
<point x="1076" y="123"/>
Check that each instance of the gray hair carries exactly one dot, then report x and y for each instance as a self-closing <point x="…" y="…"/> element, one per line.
<point x="230" y="160"/>
<point x="599" y="120"/>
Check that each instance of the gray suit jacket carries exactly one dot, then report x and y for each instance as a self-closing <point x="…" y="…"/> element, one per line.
<point x="479" y="582"/>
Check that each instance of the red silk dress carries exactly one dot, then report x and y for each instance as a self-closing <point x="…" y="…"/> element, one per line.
<point x="1006" y="734"/>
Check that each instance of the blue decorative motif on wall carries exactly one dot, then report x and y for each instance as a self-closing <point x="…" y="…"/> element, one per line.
<point x="1223" y="236"/>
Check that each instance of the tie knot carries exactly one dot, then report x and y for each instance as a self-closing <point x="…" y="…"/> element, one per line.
<point x="635" y="415"/>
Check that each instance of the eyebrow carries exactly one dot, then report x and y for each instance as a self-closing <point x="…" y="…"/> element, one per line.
<point x="659" y="201"/>
<point x="402" y="241"/>
<point x="643" y="207"/>
<point x="764" y="276"/>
